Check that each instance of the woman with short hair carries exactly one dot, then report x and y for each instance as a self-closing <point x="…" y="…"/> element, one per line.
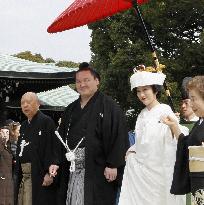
<point x="184" y="180"/>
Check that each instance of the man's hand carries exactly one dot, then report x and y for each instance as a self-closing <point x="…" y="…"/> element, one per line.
<point x="53" y="170"/>
<point x="110" y="174"/>
<point x="47" y="180"/>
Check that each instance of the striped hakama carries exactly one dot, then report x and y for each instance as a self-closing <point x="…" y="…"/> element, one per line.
<point x="75" y="192"/>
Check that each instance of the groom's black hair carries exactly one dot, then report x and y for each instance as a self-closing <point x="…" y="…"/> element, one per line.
<point x="86" y="67"/>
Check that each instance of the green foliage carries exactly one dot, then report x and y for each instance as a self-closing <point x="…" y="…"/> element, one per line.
<point x="119" y="44"/>
<point x="27" y="55"/>
<point x="49" y="60"/>
<point x="68" y="64"/>
<point x="176" y="30"/>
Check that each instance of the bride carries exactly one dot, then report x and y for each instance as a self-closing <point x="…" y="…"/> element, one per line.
<point x="150" y="161"/>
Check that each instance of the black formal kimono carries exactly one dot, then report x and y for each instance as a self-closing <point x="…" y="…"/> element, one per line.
<point x="103" y="125"/>
<point x="182" y="177"/>
<point x="42" y="151"/>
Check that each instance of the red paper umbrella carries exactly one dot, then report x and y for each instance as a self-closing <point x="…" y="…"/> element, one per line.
<point x="82" y="12"/>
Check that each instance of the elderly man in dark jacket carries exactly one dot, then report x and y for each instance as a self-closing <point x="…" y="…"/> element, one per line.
<point x="37" y="155"/>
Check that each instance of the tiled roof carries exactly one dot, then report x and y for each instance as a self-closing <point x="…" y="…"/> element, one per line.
<point x="59" y="97"/>
<point x="13" y="67"/>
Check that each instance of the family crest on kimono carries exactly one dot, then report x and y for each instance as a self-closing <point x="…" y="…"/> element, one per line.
<point x="150" y="161"/>
<point x="94" y="139"/>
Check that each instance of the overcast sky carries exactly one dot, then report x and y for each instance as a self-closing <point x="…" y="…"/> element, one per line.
<point x="23" y="26"/>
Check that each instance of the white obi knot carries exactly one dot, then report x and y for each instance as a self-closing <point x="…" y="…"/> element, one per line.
<point x="70" y="156"/>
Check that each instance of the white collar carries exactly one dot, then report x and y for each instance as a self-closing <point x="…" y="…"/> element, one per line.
<point x="194" y="119"/>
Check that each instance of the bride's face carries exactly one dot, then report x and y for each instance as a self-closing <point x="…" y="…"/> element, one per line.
<point x="146" y="95"/>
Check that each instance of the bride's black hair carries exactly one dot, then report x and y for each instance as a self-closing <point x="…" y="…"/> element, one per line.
<point x="157" y="89"/>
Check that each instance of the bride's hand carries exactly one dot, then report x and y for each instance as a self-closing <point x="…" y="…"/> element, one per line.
<point x="168" y="120"/>
<point x="173" y="124"/>
<point x="129" y="152"/>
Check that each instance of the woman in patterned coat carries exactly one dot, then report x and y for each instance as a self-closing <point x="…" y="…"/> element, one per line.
<point x="6" y="181"/>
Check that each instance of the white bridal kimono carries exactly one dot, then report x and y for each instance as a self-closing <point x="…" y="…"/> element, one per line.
<point x="148" y="173"/>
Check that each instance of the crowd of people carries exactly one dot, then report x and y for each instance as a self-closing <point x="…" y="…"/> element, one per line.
<point x="88" y="159"/>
